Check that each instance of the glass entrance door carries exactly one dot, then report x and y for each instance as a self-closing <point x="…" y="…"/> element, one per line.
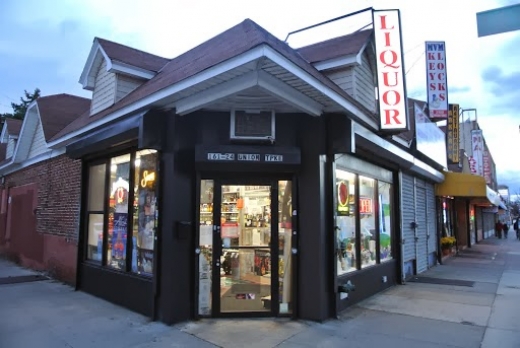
<point x="246" y="246"/>
<point x="247" y="270"/>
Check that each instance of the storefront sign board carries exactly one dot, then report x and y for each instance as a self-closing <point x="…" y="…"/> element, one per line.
<point x="477" y="146"/>
<point x="453" y="134"/>
<point x="436" y="80"/>
<point x="390" y="71"/>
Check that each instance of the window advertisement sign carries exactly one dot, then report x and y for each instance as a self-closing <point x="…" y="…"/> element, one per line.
<point x="453" y="134"/>
<point x="436" y="79"/>
<point x="487" y="166"/>
<point x="390" y="71"/>
<point x="477" y="146"/>
<point x="430" y="139"/>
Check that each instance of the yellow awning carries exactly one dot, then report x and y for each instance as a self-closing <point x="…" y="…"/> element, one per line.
<point x="466" y="185"/>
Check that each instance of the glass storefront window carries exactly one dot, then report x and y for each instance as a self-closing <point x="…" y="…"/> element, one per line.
<point x="367" y="221"/>
<point x="385" y="221"/>
<point x="95" y="211"/>
<point x="205" y="245"/>
<point x="144" y="214"/>
<point x="119" y="186"/>
<point x="124" y="230"/>
<point x="346" y="240"/>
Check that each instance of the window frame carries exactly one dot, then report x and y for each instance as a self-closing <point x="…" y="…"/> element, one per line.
<point x="106" y="160"/>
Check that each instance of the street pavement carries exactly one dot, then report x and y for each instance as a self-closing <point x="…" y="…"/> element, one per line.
<point x="47" y="313"/>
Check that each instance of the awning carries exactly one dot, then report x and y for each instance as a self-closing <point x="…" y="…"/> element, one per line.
<point x="468" y="186"/>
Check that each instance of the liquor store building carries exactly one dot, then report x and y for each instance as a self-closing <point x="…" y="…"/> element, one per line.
<point x="242" y="178"/>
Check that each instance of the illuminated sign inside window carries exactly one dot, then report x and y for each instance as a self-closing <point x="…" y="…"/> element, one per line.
<point x="366" y="205"/>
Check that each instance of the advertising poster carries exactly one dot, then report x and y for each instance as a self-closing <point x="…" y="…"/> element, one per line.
<point x="436" y="80"/>
<point x="477" y="146"/>
<point x="487" y="167"/>
<point x="430" y="139"/>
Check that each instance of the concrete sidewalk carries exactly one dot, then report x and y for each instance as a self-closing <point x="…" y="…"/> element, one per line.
<point x="49" y="314"/>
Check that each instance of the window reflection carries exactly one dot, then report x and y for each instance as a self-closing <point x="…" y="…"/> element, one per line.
<point x="385" y="221"/>
<point x="367" y="221"/>
<point x="345" y="222"/>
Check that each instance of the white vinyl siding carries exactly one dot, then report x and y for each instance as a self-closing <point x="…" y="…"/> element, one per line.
<point x="104" y="92"/>
<point x="125" y="85"/>
<point x="38" y="144"/>
<point x="11" y="145"/>
<point x="364" y="84"/>
<point x="344" y="78"/>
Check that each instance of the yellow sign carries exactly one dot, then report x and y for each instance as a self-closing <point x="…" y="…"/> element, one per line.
<point x="453" y="134"/>
<point x="147" y="178"/>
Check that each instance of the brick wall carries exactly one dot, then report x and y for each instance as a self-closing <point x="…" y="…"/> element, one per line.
<point x="58" y="183"/>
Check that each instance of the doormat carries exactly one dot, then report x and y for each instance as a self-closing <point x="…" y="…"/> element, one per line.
<point x="22" y="279"/>
<point x="441" y="281"/>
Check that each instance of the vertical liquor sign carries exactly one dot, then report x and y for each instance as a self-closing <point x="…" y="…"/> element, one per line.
<point x="436" y="80"/>
<point x="487" y="166"/>
<point x="453" y="134"/>
<point x="390" y="71"/>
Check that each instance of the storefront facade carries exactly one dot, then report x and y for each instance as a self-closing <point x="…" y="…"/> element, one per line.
<point x="252" y="183"/>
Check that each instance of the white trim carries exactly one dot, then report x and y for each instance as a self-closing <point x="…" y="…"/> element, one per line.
<point x="339" y="62"/>
<point x="30" y="124"/>
<point x="207" y="74"/>
<point x="214" y="93"/>
<point x="314" y="82"/>
<point x="288" y="94"/>
<point x="400" y="141"/>
<point x="85" y="79"/>
<point x="4" y="130"/>
<point x="49" y="154"/>
<point x="414" y="164"/>
<point x="127" y="69"/>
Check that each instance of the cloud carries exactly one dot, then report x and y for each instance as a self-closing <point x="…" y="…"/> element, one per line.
<point x="501" y="84"/>
<point x="456" y="89"/>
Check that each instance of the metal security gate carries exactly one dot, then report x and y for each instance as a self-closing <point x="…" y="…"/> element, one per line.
<point x="407" y="220"/>
<point x="421" y="230"/>
<point x="419" y="226"/>
<point x="431" y="217"/>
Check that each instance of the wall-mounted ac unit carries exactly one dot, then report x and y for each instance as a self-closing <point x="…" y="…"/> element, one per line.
<point x="253" y="125"/>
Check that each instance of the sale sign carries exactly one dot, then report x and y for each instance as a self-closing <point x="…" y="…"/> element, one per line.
<point x="390" y="71"/>
<point x="436" y="79"/>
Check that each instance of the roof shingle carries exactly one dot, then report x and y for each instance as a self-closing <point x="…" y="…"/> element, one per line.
<point x="337" y="47"/>
<point x="59" y="110"/>
<point x="231" y="43"/>
<point x="13" y="125"/>
<point x="132" y="56"/>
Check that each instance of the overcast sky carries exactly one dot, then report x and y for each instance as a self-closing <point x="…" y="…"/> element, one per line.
<point x="45" y="43"/>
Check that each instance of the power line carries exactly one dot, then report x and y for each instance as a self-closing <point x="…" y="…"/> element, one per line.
<point x="415" y="62"/>
<point x="412" y="49"/>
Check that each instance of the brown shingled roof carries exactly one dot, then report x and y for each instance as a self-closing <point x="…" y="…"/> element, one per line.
<point x="13" y="125"/>
<point x="132" y="56"/>
<point x="337" y="47"/>
<point x="229" y="44"/>
<point x="57" y="111"/>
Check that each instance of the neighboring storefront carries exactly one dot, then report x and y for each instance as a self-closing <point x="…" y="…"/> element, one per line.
<point x="473" y="207"/>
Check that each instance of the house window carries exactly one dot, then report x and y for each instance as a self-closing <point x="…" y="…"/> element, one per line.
<point x="95" y="211"/>
<point x="121" y="218"/>
<point x="363" y="219"/>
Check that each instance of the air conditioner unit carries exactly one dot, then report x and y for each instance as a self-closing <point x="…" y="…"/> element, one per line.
<point x="253" y="125"/>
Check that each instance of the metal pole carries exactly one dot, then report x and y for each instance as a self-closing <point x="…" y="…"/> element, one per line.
<point x="328" y="21"/>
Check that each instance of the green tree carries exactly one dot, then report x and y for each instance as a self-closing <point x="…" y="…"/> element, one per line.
<point x="19" y="109"/>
